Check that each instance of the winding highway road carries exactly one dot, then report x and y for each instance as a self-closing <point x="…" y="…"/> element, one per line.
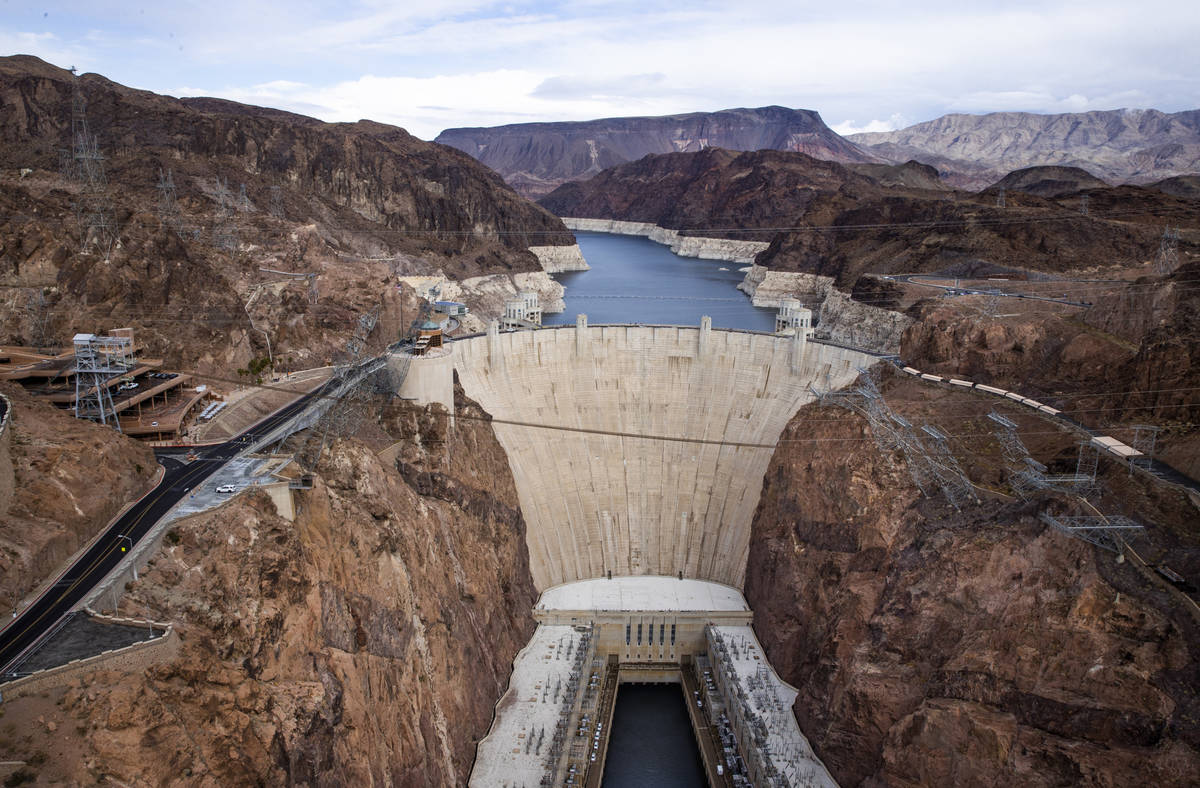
<point x="20" y="634"/>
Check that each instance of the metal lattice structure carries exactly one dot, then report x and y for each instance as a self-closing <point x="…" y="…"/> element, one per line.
<point x="360" y="388"/>
<point x="168" y="205"/>
<point x="39" y="314"/>
<point x="930" y="462"/>
<point x="276" y="204"/>
<point x="98" y="360"/>
<point x="1106" y="532"/>
<point x="83" y="166"/>
<point x="1145" y="440"/>
<point x="1168" y="252"/>
<point x="224" y="232"/>
<point x="1027" y="476"/>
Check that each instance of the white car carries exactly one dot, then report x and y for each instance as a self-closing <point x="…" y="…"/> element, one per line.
<point x="227" y="488"/>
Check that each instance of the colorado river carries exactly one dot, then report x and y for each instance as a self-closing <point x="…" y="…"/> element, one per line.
<point x="635" y="280"/>
<point x="652" y="744"/>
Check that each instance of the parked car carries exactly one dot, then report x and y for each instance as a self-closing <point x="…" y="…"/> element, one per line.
<point x="227" y="488"/>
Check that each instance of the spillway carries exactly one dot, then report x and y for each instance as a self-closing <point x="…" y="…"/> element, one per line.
<point x="638" y="519"/>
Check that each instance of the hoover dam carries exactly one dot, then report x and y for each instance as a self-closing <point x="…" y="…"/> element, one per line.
<point x="638" y="453"/>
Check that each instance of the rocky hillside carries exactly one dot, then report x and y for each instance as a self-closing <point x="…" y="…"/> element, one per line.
<point x="353" y="204"/>
<point x="856" y="219"/>
<point x="1048" y="181"/>
<point x="49" y="507"/>
<point x="981" y="648"/>
<point x="1119" y="146"/>
<point x="364" y="644"/>
<point x="537" y="157"/>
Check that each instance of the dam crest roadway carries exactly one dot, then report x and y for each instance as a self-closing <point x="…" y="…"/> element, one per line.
<point x="638" y="513"/>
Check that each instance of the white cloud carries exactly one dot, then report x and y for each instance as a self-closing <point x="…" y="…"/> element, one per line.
<point x="428" y="65"/>
<point x="896" y="121"/>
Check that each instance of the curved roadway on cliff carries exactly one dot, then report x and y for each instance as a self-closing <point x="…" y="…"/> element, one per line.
<point x="105" y="553"/>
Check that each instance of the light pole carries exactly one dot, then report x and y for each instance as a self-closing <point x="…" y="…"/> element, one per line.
<point x="130" y="548"/>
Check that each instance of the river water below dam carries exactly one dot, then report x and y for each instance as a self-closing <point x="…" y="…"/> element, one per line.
<point x="635" y="280"/>
<point x="652" y="744"/>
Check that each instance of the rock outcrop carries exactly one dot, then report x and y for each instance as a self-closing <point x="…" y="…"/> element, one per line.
<point x="537" y="157"/>
<point x="975" y="649"/>
<point x="1120" y="146"/>
<point x="837" y="316"/>
<point x="366" y="643"/>
<point x="1048" y="181"/>
<point x="353" y="204"/>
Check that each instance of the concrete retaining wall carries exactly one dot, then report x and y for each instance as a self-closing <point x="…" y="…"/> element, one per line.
<point x="130" y="659"/>
<point x="7" y="477"/>
<point x="596" y="503"/>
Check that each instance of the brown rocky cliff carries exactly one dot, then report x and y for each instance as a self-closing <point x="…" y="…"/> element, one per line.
<point x="859" y="219"/>
<point x="357" y="205"/>
<point x="537" y="157"/>
<point x="977" y="649"/>
<point x="70" y="477"/>
<point x="364" y="644"/>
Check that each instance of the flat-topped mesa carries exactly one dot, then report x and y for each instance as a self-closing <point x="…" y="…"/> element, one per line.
<point x="669" y="430"/>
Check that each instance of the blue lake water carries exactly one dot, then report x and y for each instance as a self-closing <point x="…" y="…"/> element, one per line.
<point x="635" y="280"/>
<point x="652" y="745"/>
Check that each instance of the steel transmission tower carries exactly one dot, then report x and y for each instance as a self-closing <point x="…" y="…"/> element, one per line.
<point x="98" y="360"/>
<point x="224" y="233"/>
<point x="168" y="205"/>
<point x="85" y="170"/>
<point x="276" y="206"/>
<point x="1168" y="251"/>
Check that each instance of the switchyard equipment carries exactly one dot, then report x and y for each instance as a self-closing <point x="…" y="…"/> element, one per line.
<point x="98" y="360"/>
<point x="1106" y="532"/>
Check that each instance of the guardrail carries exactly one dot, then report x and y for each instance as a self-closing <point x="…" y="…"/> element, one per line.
<point x="751" y="331"/>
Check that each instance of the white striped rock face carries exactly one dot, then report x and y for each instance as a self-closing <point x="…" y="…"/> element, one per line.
<point x="596" y="503"/>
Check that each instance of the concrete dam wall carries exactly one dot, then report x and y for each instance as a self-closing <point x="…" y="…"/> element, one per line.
<point x="597" y="503"/>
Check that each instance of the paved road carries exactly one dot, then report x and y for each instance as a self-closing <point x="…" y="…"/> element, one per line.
<point x="39" y="618"/>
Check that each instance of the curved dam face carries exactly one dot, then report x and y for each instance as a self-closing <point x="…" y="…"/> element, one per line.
<point x="598" y="503"/>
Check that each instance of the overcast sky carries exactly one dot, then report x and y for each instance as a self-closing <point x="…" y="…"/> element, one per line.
<point x="427" y="66"/>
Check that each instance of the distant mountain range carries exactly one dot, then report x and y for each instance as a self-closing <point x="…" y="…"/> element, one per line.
<point x="969" y="151"/>
<point x="1118" y="146"/>
<point x="537" y="157"/>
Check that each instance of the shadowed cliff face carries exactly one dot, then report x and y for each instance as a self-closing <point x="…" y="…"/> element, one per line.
<point x="537" y="157"/>
<point x="982" y="648"/>
<point x="364" y="644"/>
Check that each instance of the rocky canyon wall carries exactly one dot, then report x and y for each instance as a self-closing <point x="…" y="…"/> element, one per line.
<point x="838" y="316"/>
<point x="364" y="644"/>
<point x="982" y="648"/>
